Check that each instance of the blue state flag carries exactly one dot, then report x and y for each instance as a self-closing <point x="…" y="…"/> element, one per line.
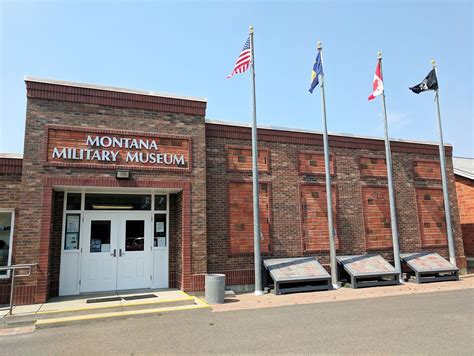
<point x="316" y="72"/>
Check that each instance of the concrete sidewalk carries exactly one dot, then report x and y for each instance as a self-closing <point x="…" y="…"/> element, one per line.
<point x="80" y="302"/>
<point x="68" y="311"/>
<point x="250" y="301"/>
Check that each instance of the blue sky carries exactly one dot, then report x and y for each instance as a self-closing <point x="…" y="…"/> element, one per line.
<point x="189" y="47"/>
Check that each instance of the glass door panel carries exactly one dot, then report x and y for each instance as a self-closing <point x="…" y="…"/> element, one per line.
<point x="134" y="235"/>
<point x="160" y="231"/>
<point x="100" y="236"/>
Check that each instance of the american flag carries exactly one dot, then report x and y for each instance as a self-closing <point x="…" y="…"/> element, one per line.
<point x="243" y="62"/>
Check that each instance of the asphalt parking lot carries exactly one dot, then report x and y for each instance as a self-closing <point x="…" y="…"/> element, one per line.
<point x="430" y="323"/>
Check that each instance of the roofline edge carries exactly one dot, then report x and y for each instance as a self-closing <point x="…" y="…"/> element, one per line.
<point x="28" y="78"/>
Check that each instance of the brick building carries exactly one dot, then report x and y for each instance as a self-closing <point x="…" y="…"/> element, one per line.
<point x="464" y="176"/>
<point x="123" y="189"/>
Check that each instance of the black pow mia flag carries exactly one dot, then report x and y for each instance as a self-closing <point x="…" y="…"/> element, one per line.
<point x="429" y="83"/>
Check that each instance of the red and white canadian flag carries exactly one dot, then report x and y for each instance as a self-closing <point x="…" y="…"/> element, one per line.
<point x="377" y="85"/>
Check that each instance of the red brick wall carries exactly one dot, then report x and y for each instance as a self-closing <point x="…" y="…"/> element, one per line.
<point x="465" y="193"/>
<point x="36" y="198"/>
<point x="431" y="216"/>
<point x="427" y="170"/>
<point x="241" y="217"/>
<point x="313" y="163"/>
<point x="286" y="181"/>
<point x="240" y="159"/>
<point x="10" y="166"/>
<point x="314" y="217"/>
<point x="55" y="244"/>
<point x="468" y="237"/>
<point x="373" y="167"/>
<point x="378" y="233"/>
<point x="175" y="240"/>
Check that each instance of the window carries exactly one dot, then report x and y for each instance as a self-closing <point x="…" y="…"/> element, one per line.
<point x="71" y="235"/>
<point x="160" y="231"/>
<point x="7" y="221"/>
<point x="117" y="202"/>
<point x="100" y="236"/>
<point x="73" y="201"/>
<point x="160" y="202"/>
<point x="134" y="235"/>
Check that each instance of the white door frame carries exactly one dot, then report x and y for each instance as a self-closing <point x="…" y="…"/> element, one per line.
<point x="72" y="260"/>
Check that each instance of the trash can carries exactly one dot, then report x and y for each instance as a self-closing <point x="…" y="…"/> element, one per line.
<point x="215" y="288"/>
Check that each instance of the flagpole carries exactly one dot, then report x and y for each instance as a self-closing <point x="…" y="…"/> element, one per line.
<point x="332" y="245"/>
<point x="447" y="209"/>
<point x="256" y="207"/>
<point x="391" y="191"/>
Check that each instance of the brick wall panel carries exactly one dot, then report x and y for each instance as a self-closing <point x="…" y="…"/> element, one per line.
<point x="427" y="170"/>
<point x="431" y="216"/>
<point x="313" y="163"/>
<point x="315" y="232"/>
<point x="239" y="159"/>
<point x="377" y="221"/>
<point x="373" y="167"/>
<point x="241" y="217"/>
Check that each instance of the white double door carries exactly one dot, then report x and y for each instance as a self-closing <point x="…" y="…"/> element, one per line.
<point x="116" y="252"/>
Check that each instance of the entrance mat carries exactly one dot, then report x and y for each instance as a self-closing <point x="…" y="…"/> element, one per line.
<point x="143" y="296"/>
<point x="102" y="300"/>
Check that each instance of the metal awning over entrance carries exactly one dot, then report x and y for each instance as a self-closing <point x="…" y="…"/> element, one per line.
<point x="430" y="267"/>
<point x="367" y="271"/>
<point x="301" y="274"/>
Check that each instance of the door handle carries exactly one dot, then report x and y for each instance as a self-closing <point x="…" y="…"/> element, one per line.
<point x="115" y="253"/>
<point x="121" y="253"/>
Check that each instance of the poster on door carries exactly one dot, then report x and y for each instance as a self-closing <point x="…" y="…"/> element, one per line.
<point x="71" y="241"/>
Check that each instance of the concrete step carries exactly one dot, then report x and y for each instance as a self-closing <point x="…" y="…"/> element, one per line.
<point x="12" y="322"/>
<point x="77" y="319"/>
<point x="109" y="308"/>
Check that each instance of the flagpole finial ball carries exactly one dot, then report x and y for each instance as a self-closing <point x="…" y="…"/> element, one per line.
<point x="320" y="46"/>
<point x="379" y="54"/>
<point x="251" y="29"/>
<point x="433" y="62"/>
